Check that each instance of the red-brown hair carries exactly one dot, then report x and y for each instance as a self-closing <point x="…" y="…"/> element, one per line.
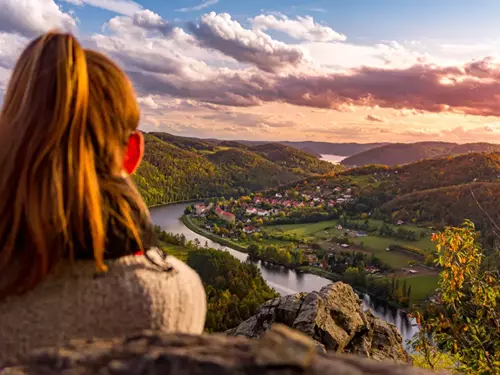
<point x="64" y="126"/>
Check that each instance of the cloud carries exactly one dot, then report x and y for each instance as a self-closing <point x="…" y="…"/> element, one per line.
<point x="220" y="32"/>
<point x="126" y="7"/>
<point x="301" y="28"/>
<point x="30" y="18"/>
<point x="204" y="4"/>
<point x="11" y="46"/>
<point x="374" y="118"/>
<point x="472" y="89"/>
<point x="149" y="102"/>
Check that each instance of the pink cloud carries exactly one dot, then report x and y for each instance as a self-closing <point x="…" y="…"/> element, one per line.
<point x="374" y="118"/>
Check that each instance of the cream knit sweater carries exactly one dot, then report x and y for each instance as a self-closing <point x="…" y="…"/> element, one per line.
<point x="74" y="303"/>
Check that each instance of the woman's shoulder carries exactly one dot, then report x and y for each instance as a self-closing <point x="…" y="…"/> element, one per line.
<point x="150" y="291"/>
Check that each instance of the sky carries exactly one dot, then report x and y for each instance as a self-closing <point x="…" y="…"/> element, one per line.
<point x="325" y="70"/>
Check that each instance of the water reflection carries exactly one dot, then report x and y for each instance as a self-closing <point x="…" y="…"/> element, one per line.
<point x="283" y="280"/>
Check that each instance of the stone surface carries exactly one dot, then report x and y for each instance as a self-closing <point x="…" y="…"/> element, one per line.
<point x="334" y="318"/>
<point x="281" y="351"/>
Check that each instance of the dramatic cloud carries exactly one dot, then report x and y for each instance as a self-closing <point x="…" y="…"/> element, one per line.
<point x="126" y="7"/>
<point x="302" y="28"/>
<point x="204" y="4"/>
<point x="220" y="32"/>
<point x="472" y="89"/>
<point x="33" y="17"/>
<point x="374" y="118"/>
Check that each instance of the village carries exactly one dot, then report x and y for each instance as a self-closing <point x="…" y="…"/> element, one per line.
<point x="322" y="225"/>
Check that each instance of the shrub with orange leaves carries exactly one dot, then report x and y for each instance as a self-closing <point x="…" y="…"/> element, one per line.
<point x="467" y="324"/>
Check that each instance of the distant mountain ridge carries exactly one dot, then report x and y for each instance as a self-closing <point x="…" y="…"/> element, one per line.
<point x="405" y="153"/>
<point x="313" y="147"/>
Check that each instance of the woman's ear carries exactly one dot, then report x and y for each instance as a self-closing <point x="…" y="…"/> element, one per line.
<point x="134" y="152"/>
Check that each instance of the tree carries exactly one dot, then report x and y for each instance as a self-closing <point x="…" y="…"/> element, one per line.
<point x="468" y="324"/>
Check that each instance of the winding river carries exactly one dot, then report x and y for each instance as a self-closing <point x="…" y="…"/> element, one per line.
<point x="283" y="280"/>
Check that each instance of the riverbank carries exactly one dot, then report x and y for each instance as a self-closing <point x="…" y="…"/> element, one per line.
<point x="176" y="202"/>
<point x="186" y="220"/>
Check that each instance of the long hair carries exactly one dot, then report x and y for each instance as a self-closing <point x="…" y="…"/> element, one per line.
<point x="66" y="119"/>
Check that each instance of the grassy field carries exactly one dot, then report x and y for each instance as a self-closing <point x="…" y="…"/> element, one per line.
<point x="421" y="286"/>
<point x="371" y="243"/>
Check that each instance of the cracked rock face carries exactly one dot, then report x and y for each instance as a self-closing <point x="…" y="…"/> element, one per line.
<point x="334" y="318"/>
<point x="281" y="351"/>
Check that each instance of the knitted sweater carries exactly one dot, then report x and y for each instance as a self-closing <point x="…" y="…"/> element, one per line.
<point x="74" y="303"/>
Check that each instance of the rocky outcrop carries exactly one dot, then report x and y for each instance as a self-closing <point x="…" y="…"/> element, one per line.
<point x="334" y="318"/>
<point x="281" y="351"/>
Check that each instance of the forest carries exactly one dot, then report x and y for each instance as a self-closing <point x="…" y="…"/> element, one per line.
<point x="179" y="169"/>
<point x="235" y="290"/>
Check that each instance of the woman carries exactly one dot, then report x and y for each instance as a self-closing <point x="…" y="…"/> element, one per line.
<point x="72" y="224"/>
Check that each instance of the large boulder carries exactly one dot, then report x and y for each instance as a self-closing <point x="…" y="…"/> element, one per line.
<point x="281" y="351"/>
<point x="334" y="318"/>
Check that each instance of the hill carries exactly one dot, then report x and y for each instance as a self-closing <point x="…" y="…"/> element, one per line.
<point x="250" y="170"/>
<point x="312" y="152"/>
<point x="449" y="205"/>
<point x="403" y="153"/>
<point x="299" y="161"/>
<point x="323" y="148"/>
<point x="434" y="173"/>
<point x="190" y="144"/>
<point x="178" y="168"/>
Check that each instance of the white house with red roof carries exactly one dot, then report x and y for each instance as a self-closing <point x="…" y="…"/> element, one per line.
<point x="226" y="216"/>
<point x="251" y="211"/>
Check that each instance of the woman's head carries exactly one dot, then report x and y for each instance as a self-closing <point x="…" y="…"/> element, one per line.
<point x="67" y="135"/>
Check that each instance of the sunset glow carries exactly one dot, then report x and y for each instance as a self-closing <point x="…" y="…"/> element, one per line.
<point x="287" y="70"/>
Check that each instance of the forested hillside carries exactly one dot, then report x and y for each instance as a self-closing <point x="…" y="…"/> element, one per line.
<point x="402" y="153"/>
<point x="177" y="168"/>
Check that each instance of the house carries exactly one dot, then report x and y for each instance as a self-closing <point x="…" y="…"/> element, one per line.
<point x="344" y="245"/>
<point x="251" y="211"/>
<point x="340" y="200"/>
<point x="331" y="203"/>
<point x="337" y="189"/>
<point x="400" y="222"/>
<point x="200" y="209"/>
<point x="278" y="195"/>
<point x="317" y="199"/>
<point x="226" y="216"/>
<point x="249" y="229"/>
<point x="339" y="227"/>
<point x="348" y="191"/>
<point x="287" y="204"/>
<point x="262" y="213"/>
<point x="257" y="200"/>
<point x="371" y="269"/>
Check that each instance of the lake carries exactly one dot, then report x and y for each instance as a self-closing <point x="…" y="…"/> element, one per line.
<point x="334" y="159"/>
<point x="283" y="280"/>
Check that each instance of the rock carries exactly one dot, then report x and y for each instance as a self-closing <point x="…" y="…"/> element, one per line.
<point x="281" y="351"/>
<point x="334" y="318"/>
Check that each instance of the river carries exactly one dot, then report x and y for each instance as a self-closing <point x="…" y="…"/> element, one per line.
<point x="334" y="159"/>
<point x="283" y="280"/>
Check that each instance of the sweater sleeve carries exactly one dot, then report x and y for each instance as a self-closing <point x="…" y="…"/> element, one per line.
<point x="178" y="301"/>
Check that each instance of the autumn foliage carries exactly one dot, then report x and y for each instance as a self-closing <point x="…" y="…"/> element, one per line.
<point x="467" y="322"/>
